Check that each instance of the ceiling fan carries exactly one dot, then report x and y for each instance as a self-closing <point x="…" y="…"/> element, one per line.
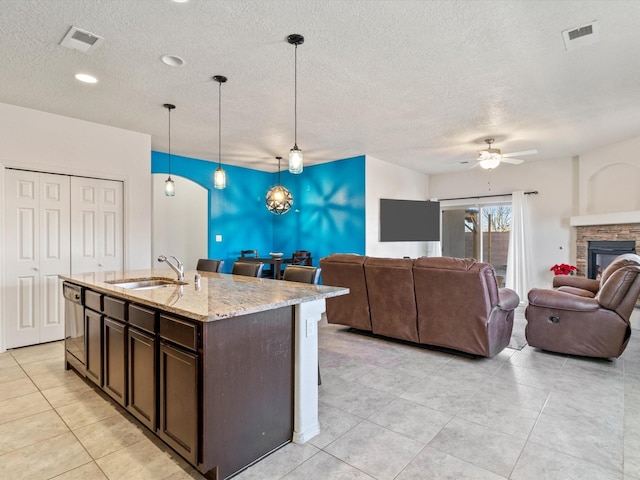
<point x="491" y="157"/>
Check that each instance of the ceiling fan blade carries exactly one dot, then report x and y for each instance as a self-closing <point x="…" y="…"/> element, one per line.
<point x="512" y="161"/>
<point x="520" y="154"/>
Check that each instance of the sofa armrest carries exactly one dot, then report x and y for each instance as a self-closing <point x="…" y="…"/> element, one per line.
<point x="539" y="297"/>
<point x="507" y="299"/>
<point x="577" y="282"/>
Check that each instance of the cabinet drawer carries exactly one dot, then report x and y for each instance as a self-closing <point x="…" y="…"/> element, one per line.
<point x="142" y="318"/>
<point x="93" y="300"/>
<point x="115" y="308"/>
<point x="179" y="332"/>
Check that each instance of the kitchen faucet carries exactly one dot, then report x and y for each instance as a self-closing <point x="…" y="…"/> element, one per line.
<point x="178" y="267"/>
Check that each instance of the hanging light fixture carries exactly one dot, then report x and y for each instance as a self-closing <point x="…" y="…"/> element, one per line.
<point x="219" y="177"/>
<point x="169" y="186"/>
<point x="295" y="154"/>
<point x="279" y="199"/>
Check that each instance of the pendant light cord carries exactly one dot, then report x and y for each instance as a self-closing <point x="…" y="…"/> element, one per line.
<point x="169" y="142"/>
<point x="219" y="124"/>
<point x="295" y="98"/>
<point x="279" y="158"/>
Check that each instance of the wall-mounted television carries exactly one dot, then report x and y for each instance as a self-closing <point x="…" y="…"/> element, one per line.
<point x="409" y="220"/>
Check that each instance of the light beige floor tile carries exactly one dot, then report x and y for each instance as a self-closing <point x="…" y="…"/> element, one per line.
<point x="333" y="423"/>
<point x="142" y="461"/>
<point x="410" y="419"/>
<point x="7" y="360"/>
<point x="375" y="450"/>
<point x="89" y="471"/>
<point x="69" y="393"/>
<point x="44" y="366"/>
<point x="538" y="462"/>
<point x="322" y="467"/>
<point x="279" y="463"/>
<point x="109" y="435"/>
<point x="45" y="459"/>
<point x="434" y="464"/>
<point x="632" y="453"/>
<point x="592" y="439"/>
<point x="11" y="373"/>
<point x="38" y="353"/>
<point x="482" y="446"/>
<point x="445" y="394"/>
<point x="388" y="380"/>
<point x="352" y="397"/>
<point x="187" y="472"/>
<point x="87" y="411"/>
<point x="16" y="388"/>
<point x="29" y="430"/>
<point x="24" y="406"/>
<point x="47" y="380"/>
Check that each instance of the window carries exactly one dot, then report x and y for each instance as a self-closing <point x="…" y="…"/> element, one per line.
<point x="480" y="232"/>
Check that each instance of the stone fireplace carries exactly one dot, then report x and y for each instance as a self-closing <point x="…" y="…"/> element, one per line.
<point x="602" y="233"/>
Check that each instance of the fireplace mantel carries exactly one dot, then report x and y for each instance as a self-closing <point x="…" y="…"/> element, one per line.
<point x="619" y="218"/>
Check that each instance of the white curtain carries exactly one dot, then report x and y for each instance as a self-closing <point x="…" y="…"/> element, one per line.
<point x="518" y="261"/>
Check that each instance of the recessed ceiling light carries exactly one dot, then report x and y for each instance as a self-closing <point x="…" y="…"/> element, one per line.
<point x="172" y="60"/>
<point x="181" y="1"/>
<point x="83" y="77"/>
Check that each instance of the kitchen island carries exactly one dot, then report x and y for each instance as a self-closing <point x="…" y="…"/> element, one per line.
<point x="223" y="370"/>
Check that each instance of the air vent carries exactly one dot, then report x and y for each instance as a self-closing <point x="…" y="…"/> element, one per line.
<point x="82" y="40"/>
<point x="581" y="36"/>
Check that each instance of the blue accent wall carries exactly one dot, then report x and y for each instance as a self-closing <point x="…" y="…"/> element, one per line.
<point x="328" y="214"/>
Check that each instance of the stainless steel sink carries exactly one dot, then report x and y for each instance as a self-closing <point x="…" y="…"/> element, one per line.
<point x="145" y="283"/>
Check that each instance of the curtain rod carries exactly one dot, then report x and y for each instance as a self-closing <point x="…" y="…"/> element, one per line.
<point x="535" y="192"/>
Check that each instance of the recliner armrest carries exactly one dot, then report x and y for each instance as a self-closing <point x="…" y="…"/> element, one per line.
<point x="507" y="299"/>
<point x="561" y="300"/>
<point x="577" y="282"/>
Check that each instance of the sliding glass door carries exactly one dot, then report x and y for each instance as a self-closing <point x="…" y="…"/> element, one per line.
<point x="480" y="232"/>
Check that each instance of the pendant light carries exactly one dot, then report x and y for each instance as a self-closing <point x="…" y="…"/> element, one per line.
<point x="220" y="177"/>
<point x="278" y="199"/>
<point x="295" y="154"/>
<point x="169" y="186"/>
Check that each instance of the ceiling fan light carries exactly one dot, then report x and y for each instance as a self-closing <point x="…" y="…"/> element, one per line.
<point x="490" y="162"/>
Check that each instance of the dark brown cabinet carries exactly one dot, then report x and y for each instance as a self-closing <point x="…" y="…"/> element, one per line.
<point x="142" y="370"/>
<point x="115" y="356"/>
<point x="93" y="336"/>
<point x="179" y="391"/>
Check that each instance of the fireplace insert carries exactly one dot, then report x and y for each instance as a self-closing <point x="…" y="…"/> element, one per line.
<point x="602" y="253"/>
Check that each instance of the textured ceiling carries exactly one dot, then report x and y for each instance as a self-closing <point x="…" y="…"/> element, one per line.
<point x="416" y="83"/>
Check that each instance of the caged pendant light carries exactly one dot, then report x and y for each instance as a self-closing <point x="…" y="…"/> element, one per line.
<point x="295" y="154"/>
<point x="220" y="177"/>
<point x="279" y="200"/>
<point x="169" y="186"/>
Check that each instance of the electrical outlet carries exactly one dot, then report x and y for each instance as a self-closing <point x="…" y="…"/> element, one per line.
<point x="311" y="327"/>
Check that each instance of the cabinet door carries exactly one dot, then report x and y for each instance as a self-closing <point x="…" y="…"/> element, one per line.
<point x="37" y="250"/>
<point x="115" y="359"/>
<point x="93" y="336"/>
<point x="142" y="371"/>
<point x="179" y="401"/>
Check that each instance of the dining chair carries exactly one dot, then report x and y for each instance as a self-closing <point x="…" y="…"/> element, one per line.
<point x="303" y="274"/>
<point x="209" y="265"/>
<point x="247" y="269"/>
<point x="249" y="253"/>
<point x="300" y="257"/>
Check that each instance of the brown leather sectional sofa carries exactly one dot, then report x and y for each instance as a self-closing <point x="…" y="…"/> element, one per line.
<point x="447" y="302"/>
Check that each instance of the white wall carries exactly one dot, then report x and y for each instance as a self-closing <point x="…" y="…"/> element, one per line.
<point x="384" y="180"/>
<point x="552" y="240"/>
<point x="180" y="222"/>
<point x="52" y="143"/>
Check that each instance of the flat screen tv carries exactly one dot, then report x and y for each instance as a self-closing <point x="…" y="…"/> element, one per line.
<point x="409" y="220"/>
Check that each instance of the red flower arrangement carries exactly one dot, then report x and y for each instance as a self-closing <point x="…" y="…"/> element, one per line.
<point x="563" y="269"/>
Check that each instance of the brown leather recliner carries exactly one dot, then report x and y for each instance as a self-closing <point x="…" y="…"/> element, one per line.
<point x="460" y="305"/>
<point x="346" y="270"/>
<point x="586" y="317"/>
<point x="392" y="300"/>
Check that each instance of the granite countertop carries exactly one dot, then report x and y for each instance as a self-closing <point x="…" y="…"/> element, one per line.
<point x="218" y="296"/>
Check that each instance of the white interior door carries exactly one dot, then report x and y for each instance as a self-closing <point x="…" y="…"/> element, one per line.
<point x="37" y="251"/>
<point x="96" y="225"/>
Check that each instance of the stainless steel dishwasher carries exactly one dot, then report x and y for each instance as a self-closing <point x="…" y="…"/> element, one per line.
<point x="74" y="325"/>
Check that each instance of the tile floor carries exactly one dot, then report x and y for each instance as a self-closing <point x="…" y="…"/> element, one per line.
<point x="387" y="411"/>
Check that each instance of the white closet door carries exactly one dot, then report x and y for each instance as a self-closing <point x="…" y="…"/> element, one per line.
<point x="96" y="225"/>
<point x="37" y="250"/>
